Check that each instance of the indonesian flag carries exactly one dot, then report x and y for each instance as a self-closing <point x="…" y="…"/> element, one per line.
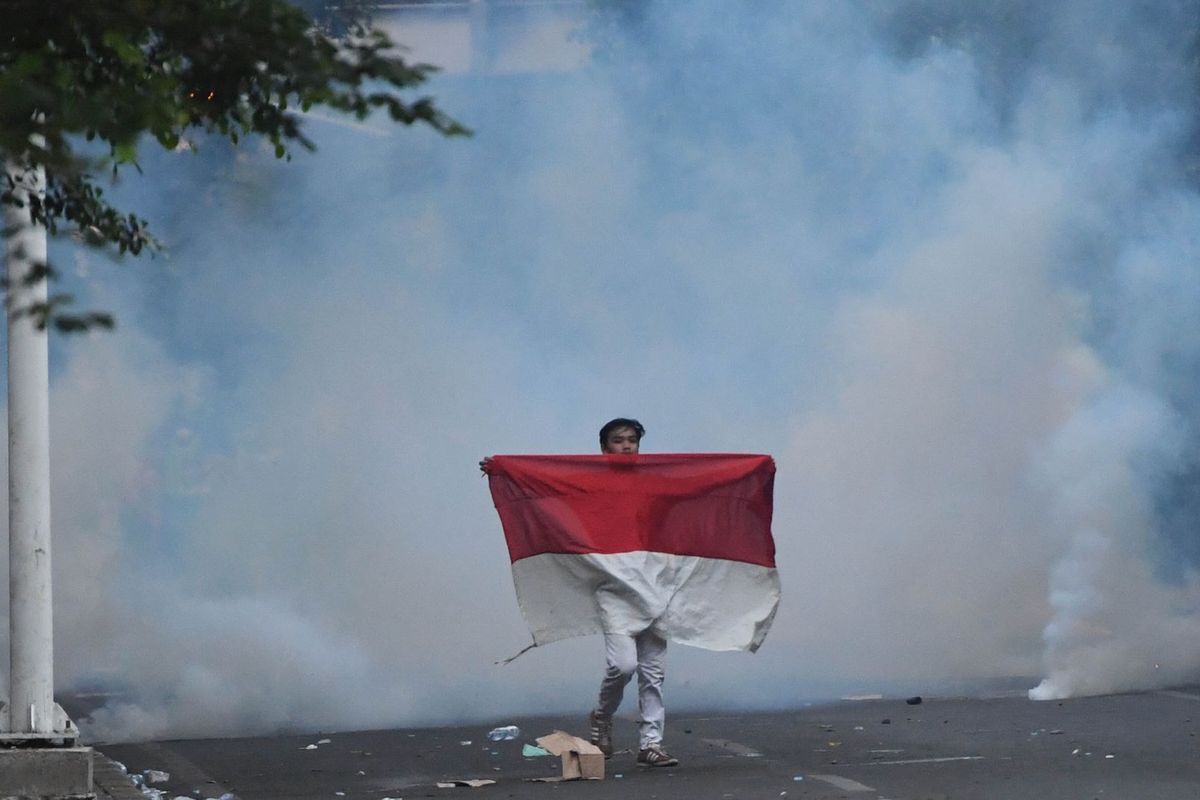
<point x="623" y="543"/>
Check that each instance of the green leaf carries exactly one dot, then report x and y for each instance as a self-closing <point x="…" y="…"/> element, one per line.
<point x="126" y="51"/>
<point x="125" y="152"/>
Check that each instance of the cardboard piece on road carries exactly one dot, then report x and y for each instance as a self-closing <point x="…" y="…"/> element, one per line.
<point x="474" y="783"/>
<point x="581" y="760"/>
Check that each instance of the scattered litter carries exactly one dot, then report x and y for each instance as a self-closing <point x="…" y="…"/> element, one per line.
<point x="863" y="697"/>
<point x="182" y="797"/>
<point x="473" y="783"/>
<point x="533" y="751"/>
<point x="915" y="700"/>
<point x="1056" y="732"/>
<point x="324" y="741"/>
<point x="797" y="778"/>
<point x="152" y="794"/>
<point x="504" y="734"/>
<point x="1110" y="755"/>
<point x="156" y="776"/>
<point x="859" y="728"/>
<point x="1077" y="751"/>
<point x="360" y="772"/>
<point x="618" y="775"/>
<point x="827" y="728"/>
<point x="228" y="796"/>
<point x="465" y="743"/>
<point x="121" y="767"/>
<point x="886" y="721"/>
<point x="339" y="794"/>
<point x="309" y="747"/>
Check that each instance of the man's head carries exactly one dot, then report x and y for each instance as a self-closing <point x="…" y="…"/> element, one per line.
<point x="621" y="436"/>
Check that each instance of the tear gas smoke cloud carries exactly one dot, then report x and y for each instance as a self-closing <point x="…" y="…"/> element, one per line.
<point x="939" y="262"/>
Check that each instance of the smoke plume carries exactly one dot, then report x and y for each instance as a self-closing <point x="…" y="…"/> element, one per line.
<point x="938" y="258"/>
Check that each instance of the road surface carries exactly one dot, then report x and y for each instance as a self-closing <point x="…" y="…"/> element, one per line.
<point x="1137" y="747"/>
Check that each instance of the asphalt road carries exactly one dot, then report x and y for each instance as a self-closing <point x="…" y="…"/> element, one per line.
<point x="1136" y="746"/>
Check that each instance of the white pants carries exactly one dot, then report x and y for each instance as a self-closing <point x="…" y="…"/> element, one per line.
<point x="644" y="653"/>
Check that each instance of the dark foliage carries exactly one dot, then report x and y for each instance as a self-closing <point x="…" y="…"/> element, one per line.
<point x="114" y="72"/>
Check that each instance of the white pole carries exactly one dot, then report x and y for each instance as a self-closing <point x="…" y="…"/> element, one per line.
<point x="31" y="631"/>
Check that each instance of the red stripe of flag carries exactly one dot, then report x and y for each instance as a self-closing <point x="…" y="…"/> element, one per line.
<point x="693" y="504"/>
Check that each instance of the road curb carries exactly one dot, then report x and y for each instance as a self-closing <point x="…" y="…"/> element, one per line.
<point x="111" y="782"/>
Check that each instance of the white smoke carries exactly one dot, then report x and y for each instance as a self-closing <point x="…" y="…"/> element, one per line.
<point x="936" y="260"/>
<point x="1115" y="625"/>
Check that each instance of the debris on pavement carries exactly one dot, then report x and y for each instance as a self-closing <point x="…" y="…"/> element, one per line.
<point x="504" y="734"/>
<point x="156" y="776"/>
<point x="581" y="760"/>
<point x="473" y="783"/>
<point x="533" y="751"/>
<point x="915" y="700"/>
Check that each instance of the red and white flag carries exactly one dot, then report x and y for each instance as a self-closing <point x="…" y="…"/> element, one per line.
<point x="622" y="543"/>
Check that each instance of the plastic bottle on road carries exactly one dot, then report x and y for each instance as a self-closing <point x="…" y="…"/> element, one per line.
<point x="505" y="733"/>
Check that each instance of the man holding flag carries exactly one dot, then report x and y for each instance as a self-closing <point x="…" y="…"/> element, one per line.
<point x="641" y="549"/>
